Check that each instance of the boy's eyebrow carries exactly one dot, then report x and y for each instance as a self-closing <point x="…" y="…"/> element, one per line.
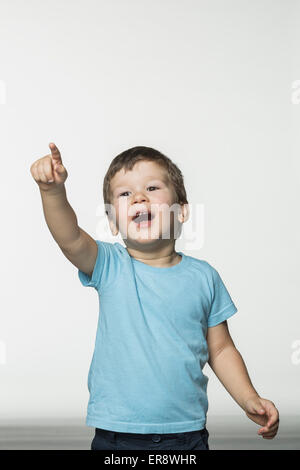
<point x="163" y="179"/>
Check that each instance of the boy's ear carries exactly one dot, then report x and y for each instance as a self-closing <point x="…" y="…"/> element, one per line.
<point x="184" y="213"/>
<point x="114" y="230"/>
<point x="111" y="215"/>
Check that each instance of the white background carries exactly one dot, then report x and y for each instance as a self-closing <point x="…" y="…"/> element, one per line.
<point x="208" y="83"/>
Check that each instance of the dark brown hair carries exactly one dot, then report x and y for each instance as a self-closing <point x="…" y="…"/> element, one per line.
<point x="127" y="160"/>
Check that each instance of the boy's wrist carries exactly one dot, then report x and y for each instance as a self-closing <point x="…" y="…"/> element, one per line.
<point x="53" y="191"/>
<point x="251" y="396"/>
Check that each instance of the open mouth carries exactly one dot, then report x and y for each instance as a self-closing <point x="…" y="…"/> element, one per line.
<point x="143" y="219"/>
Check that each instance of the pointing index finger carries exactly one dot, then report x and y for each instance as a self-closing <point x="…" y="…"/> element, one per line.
<point x="55" y="153"/>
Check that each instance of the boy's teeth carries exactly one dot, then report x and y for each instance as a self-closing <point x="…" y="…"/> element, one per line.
<point x="143" y="216"/>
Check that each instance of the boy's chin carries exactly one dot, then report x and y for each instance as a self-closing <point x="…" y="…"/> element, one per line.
<point x="147" y="237"/>
<point x="143" y="238"/>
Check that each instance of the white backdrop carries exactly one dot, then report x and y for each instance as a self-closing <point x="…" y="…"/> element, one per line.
<point x="208" y="83"/>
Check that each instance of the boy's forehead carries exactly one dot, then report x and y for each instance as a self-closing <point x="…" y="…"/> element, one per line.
<point x="142" y="169"/>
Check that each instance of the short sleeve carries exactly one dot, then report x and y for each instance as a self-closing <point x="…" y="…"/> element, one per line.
<point x="101" y="260"/>
<point x="222" y="306"/>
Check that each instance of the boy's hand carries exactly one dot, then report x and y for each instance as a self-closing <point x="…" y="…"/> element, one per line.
<point x="263" y="412"/>
<point x="49" y="171"/>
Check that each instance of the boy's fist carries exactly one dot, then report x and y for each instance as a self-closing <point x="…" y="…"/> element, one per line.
<point x="49" y="171"/>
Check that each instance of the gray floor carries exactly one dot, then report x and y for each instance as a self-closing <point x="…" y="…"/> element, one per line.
<point x="227" y="432"/>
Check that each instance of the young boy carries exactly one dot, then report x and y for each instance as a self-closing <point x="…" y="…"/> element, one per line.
<point x="163" y="314"/>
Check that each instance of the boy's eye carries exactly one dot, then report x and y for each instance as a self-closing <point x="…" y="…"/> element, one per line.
<point x="148" y="188"/>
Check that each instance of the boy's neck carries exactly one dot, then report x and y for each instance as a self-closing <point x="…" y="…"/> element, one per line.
<point x="161" y="258"/>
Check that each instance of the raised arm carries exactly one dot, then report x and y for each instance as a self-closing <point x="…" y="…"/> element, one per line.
<point x="77" y="245"/>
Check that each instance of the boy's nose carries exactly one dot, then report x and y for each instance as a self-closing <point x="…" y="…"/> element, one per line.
<point x="139" y="197"/>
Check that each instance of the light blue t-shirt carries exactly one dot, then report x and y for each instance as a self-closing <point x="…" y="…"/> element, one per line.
<point x="146" y="371"/>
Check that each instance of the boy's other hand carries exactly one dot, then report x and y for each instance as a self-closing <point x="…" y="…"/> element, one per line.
<point x="49" y="171"/>
<point x="265" y="413"/>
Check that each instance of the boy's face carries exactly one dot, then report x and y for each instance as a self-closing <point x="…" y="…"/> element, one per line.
<point x="144" y="188"/>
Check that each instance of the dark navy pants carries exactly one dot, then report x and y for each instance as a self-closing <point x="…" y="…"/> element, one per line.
<point x="111" y="440"/>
